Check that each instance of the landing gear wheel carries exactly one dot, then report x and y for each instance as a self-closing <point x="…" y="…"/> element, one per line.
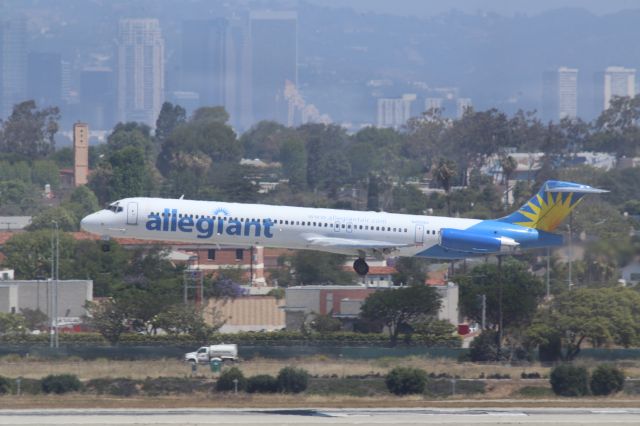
<point x="361" y="267"/>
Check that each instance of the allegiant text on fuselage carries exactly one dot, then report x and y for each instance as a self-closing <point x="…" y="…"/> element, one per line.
<point x="205" y="226"/>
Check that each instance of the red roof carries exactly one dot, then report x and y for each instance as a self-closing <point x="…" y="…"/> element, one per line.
<point x="382" y="270"/>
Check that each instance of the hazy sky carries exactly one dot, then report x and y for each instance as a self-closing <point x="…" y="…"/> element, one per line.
<point x="505" y="7"/>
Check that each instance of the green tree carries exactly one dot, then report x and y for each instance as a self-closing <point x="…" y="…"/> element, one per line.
<point x="207" y="136"/>
<point x="131" y="135"/>
<point x="106" y="269"/>
<point x="266" y="139"/>
<point x="65" y="219"/>
<point x="188" y="319"/>
<point x="11" y="324"/>
<point x="83" y="201"/>
<point x="45" y="172"/>
<point x="150" y="285"/>
<point x="34" y="318"/>
<point x="293" y="156"/>
<point x="171" y="116"/>
<point x="313" y="267"/>
<point x="29" y="132"/>
<point x="212" y="114"/>
<point x="374" y="150"/>
<point x="325" y="144"/>
<point x="108" y="317"/>
<point x="29" y="254"/>
<point x="411" y="271"/>
<point x="17" y="197"/>
<point x="521" y="293"/>
<point x="596" y="315"/>
<point x="399" y="307"/>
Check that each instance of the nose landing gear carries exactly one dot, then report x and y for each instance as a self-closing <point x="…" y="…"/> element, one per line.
<point x="361" y="267"/>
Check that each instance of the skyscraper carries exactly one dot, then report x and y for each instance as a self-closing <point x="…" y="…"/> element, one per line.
<point x="140" y="70"/>
<point x="44" y="78"/>
<point x="13" y="64"/>
<point x="618" y="81"/>
<point x="274" y="61"/>
<point x="203" y="60"/>
<point x="560" y="94"/>
<point x="394" y="112"/>
<point x="96" y="97"/>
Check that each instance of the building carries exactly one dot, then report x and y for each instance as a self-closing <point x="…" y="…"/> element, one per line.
<point x="34" y="294"/>
<point x="560" y="94"/>
<point x="344" y="302"/>
<point x="248" y="313"/>
<point x="80" y="154"/>
<point x="13" y="64"/>
<point x="203" y="60"/>
<point x="618" y="81"/>
<point x="238" y="96"/>
<point x="395" y="112"/>
<point x="140" y="71"/>
<point x="462" y="104"/>
<point x="96" y="98"/>
<point x="341" y="301"/>
<point x="274" y="61"/>
<point x="44" y="78"/>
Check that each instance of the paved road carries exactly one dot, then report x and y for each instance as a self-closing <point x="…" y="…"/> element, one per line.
<point x="528" y="416"/>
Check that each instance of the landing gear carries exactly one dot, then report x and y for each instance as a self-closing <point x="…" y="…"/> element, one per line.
<point x="361" y="267"/>
<point x="106" y="247"/>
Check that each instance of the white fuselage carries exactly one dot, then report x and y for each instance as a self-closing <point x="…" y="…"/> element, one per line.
<point x="211" y="222"/>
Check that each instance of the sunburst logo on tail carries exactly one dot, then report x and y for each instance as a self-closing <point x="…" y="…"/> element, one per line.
<point x="551" y="205"/>
<point x="546" y="210"/>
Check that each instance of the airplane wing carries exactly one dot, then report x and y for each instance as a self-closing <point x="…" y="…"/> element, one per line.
<point x="351" y="243"/>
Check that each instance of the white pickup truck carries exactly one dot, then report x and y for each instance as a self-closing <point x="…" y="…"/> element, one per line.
<point x="205" y="353"/>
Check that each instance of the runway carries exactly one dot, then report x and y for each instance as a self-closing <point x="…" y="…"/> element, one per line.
<point x="525" y="416"/>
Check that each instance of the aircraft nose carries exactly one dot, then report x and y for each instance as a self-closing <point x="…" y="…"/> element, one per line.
<point x="91" y="223"/>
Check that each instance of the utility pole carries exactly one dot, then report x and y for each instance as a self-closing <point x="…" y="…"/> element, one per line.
<point x="570" y="251"/>
<point x="54" y="341"/>
<point x="548" y="273"/>
<point x="500" y="280"/>
<point x="484" y="311"/>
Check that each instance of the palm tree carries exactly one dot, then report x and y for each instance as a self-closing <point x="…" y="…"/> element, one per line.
<point x="443" y="172"/>
<point x="509" y="165"/>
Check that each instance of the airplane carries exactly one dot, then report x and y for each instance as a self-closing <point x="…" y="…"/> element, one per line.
<point x="356" y="233"/>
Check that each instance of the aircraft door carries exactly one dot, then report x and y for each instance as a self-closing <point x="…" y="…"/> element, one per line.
<point x="336" y="226"/>
<point x="132" y="213"/>
<point x="419" y="236"/>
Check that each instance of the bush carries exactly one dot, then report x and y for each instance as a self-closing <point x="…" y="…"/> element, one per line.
<point x="262" y="383"/>
<point x="5" y="385"/>
<point x="483" y="347"/>
<point x="117" y="387"/>
<point x="225" y="382"/>
<point x="293" y="380"/>
<point x="172" y="385"/>
<point x="569" y="380"/>
<point x="606" y="379"/>
<point x="406" y="380"/>
<point x="61" y="383"/>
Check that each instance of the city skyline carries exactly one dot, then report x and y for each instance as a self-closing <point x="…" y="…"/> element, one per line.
<point x="257" y="64"/>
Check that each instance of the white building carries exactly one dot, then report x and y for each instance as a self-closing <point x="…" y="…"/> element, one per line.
<point x="619" y="81"/>
<point x="567" y="92"/>
<point x="560" y="94"/>
<point x="394" y="112"/>
<point x="462" y="104"/>
<point x="35" y="294"/>
<point x="140" y="71"/>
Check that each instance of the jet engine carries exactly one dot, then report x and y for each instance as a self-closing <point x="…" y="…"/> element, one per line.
<point x="476" y="242"/>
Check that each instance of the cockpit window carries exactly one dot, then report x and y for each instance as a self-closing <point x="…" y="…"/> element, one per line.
<point x="115" y="208"/>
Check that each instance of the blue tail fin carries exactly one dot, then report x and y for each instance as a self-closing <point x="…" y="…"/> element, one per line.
<point x="551" y="205"/>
